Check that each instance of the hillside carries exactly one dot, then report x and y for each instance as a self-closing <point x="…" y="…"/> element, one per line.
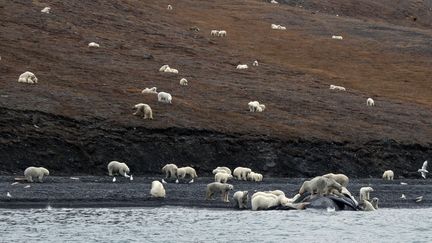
<point x="83" y="102"/>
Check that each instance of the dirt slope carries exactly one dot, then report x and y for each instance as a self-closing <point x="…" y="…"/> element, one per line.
<point x="381" y="56"/>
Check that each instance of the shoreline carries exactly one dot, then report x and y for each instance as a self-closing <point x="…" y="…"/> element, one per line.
<point x="101" y="192"/>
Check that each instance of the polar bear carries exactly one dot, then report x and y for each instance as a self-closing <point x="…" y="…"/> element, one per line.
<point x="365" y="193"/>
<point x="164" y="97"/>
<point x="342" y="179"/>
<point x="375" y="202"/>
<point x="388" y="175"/>
<point x="367" y="206"/>
<point x="265" y="201"/>
<point x="240" y="199"/>
<point x="320" y="185"/>
<point x="35" y="172"/>
<point x="241" y="173"/>
<point x="143" y="109"/>
<point x="217" y="187"/>
<point x="255" y="177"/>
<point x="157" y="190"/>
<point x="27" y="77"/>
<point x="221" y="169"/>
<point x="115" y="167"/>
<point x="170" y="170"/>
<point x="184" y="171"/>
<point x="222" y="177"/>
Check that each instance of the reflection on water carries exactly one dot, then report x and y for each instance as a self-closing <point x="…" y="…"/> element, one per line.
<point x="177" y="224"/>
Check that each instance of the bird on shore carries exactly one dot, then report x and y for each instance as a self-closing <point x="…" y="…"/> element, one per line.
<point x="177" y="181"/>
<point x="131" y="178"/>
<point x="423" y="169"/>
<point x="403" y="196"/>
<point x="191" y="181"/>
<point x="164" y="182"/>
<point x="419" y="199"/>
<point x="114" y="179"/>
<point x="15" y="183"/>
<point x="28" y="186"/>
<point x="403" y="183"/>
<point x="74" y="178"/>
<point x="8" y="194"/>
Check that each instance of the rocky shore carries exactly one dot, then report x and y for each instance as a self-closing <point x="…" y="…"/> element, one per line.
<point x="93" y="191"/>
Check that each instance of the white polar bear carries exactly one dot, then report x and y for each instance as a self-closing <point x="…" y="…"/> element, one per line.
<point x="184" y="171"/>
<point x="255" y="177"/>
<point x="157" y="190"/>
<point x="255" y="63"/>
<point x="367" y="206"/>
<point x="222" y="33"/>
<point x="365" y="193"/>
<point x="152" y="90"/>
<point x="46" y="10"/>
<point x="183" y="82"/>
<point x="320" y="185"/>
<point x="342" y="179"/>
<point x="240" y="173"/>
<point x="170" y="170"/>
<point x="242" y="66"/>
<point x="27" y="77"/>
<point x="375" y="202"/>
<point x="115" y="167"/>
<point x="370" y="102"/>
<point x="93" y="44"/>
<point x="265" y="201"/>
<point x="335" y="87"/>
<point x="221" y="169"/>
<point x="388" y="175"/>
<point x="214" y="32"/>
<point x="222" y="177"/>
<point x="143" y="109"/>
<point x="240" y="199"/>
<point x="260" y="108"/>
<point x="255" y="106"/>
<point x="163" y="68"/>
<point x="35" y="172"/>
<point x="217" y="187"/>
<point x="169" y="7"/>
<point x="164" y="97"/>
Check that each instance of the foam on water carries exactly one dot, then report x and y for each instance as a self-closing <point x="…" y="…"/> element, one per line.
<point x="177" y="224"/>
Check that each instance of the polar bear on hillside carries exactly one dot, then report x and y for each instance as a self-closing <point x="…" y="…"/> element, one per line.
<point x="221" y="169"/>
<point x="342" y="179"/>
<point x="28" y="77"/>
<point x="144" y="110"/>
<point x="241" y="173"/>
<point x="184" y="171"/>
<point x="320" y="185"/>
<point x="255" y="177"/>
<point x="217" y="187"/>
<point x="115" y="167"/>
<point x="157" y="190"/>
<point x="222" y="177"/>
<point x="240" y="199"/>
<point x="170" y="170"/>
<point x="388" y="175"/>
<point x="35" y="172"/>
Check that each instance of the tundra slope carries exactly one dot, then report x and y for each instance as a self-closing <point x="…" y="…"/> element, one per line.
<point x="79" y="112"/>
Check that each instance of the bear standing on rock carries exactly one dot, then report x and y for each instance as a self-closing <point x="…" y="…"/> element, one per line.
<point x="35" y="172"/>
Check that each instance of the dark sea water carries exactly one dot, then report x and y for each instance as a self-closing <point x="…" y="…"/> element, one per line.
<point x="178" y="224"/>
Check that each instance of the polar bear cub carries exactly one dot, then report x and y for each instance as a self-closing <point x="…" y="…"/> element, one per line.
<point x="222" y="177"/>
<point x="170" y="170"/>
<point x="183" y="82"/>
<point x="184" y="171"/>
<point x="221" y="169"/>
<point x="152" y="90"/>
<point x="143" y="109"/>
<point x="370" y="102"/>
<point x="365" y="193"/>
<point x="217" y="187"/>
<point x="115" y="167"/>
<point x="388" y="175"/>
<point x="35" y="172"/>
<point x="157" y="190"/>
<point x="241" y="173"/>
<point x="27" y="77"/>
<point x="93" y="44"/>
<point x="240" y="199"/>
